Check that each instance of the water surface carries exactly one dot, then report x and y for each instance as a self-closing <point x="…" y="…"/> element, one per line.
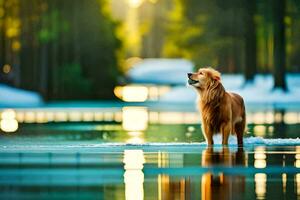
<point x="157" y="155"/>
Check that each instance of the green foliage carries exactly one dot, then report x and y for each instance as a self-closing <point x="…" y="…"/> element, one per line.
<point x="72" y="45"/>
<point x="214" y="32"/>
<point x="52" y="26"/>
<point x="75" y="85"/>
<point x="208" y="32"/>
<point x="98" y="49"/>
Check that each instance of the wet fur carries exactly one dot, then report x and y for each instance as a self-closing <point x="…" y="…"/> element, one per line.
<point x="221" y="111"/>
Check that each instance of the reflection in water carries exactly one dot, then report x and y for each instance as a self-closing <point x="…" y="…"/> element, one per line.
<point x="170" y="187"/>
<point x="260" y="157"/>
<point x="134" y="177"/>
<point x="135" y="140"/>
<point x="297" y="177"/>
<point x="135" y="118"/>
<point x="8" y="122"/>
<point x="297" y="156"/>
<point x="222" y="186"/>
<point x="136" y="137"/>
<point x="284" y="178"/>
<point x="173" y="188"/>
<point x="260" y="185"/>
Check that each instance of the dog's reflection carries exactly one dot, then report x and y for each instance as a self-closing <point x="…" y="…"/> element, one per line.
<point x="222" y="186"/>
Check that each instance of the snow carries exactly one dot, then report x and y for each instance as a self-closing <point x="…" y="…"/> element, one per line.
<point x="82" y="146"/>
<point x="260" y="91"/>
<point x="173" y="72"/>
<point x="14" y="97"/>
<point x="160" y="71"/>
<point x="232" y="141"/>
<point x="248" y="141"/>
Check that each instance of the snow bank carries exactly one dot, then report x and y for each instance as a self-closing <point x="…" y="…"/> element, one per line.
<point x="249" y="143"/>
<point x="261" y="91"/>
<point x="232" y="141"/>
<point x="160" y="71"/>
<point x="14" y="97"/>
<point x="173" y="72"/>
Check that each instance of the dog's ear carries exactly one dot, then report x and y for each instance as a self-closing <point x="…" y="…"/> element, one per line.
<point x="217" y="78"/>
<point x="215" y="75"/>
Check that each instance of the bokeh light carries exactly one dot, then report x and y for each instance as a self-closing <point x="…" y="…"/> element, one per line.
<point x="8" y="122"/>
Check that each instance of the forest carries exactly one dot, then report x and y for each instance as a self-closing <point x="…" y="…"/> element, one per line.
<point x="78" y="49"/>
<point x="62" y="49"/>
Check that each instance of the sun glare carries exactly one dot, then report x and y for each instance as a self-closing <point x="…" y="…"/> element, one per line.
<point x="135" y="3"/>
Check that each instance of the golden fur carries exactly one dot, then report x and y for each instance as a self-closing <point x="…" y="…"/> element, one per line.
<point x="221" y="111"/>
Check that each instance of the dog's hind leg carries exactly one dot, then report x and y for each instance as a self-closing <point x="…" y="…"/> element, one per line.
<point x="239" y="130"/>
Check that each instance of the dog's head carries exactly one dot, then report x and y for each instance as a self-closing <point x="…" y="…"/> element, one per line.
<point x="204" y="78"/>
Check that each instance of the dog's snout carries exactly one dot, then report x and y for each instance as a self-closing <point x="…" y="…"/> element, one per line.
<point x="189" y="75"/>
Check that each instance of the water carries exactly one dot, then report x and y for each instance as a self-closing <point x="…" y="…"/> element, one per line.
<point x="160" y="155"/>
<point x="171" y="173"/>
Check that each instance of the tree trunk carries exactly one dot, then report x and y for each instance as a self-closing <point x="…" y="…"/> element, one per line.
<point x="26" y="67"/>
<point x="44" y="46"/>
<point x="2" y="44"/>
<point x="53" y="54"/>
<point x="75" y="29"/>
<point x="279" y="44"/>
<point x="250" y="43"/>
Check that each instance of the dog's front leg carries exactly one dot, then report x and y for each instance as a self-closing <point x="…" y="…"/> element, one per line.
<point x="208" y="134"/>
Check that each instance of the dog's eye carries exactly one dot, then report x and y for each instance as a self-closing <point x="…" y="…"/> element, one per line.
<point x="201" y="73"/>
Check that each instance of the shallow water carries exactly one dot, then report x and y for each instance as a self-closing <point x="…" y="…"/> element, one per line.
<point x="152" y="172"/>
<point x="134" y="159"/>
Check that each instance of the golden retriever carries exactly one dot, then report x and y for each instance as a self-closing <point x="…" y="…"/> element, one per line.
<point x="221" y="112"/>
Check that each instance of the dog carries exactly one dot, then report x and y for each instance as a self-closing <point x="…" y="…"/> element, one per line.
<point x="221" y="112"/>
